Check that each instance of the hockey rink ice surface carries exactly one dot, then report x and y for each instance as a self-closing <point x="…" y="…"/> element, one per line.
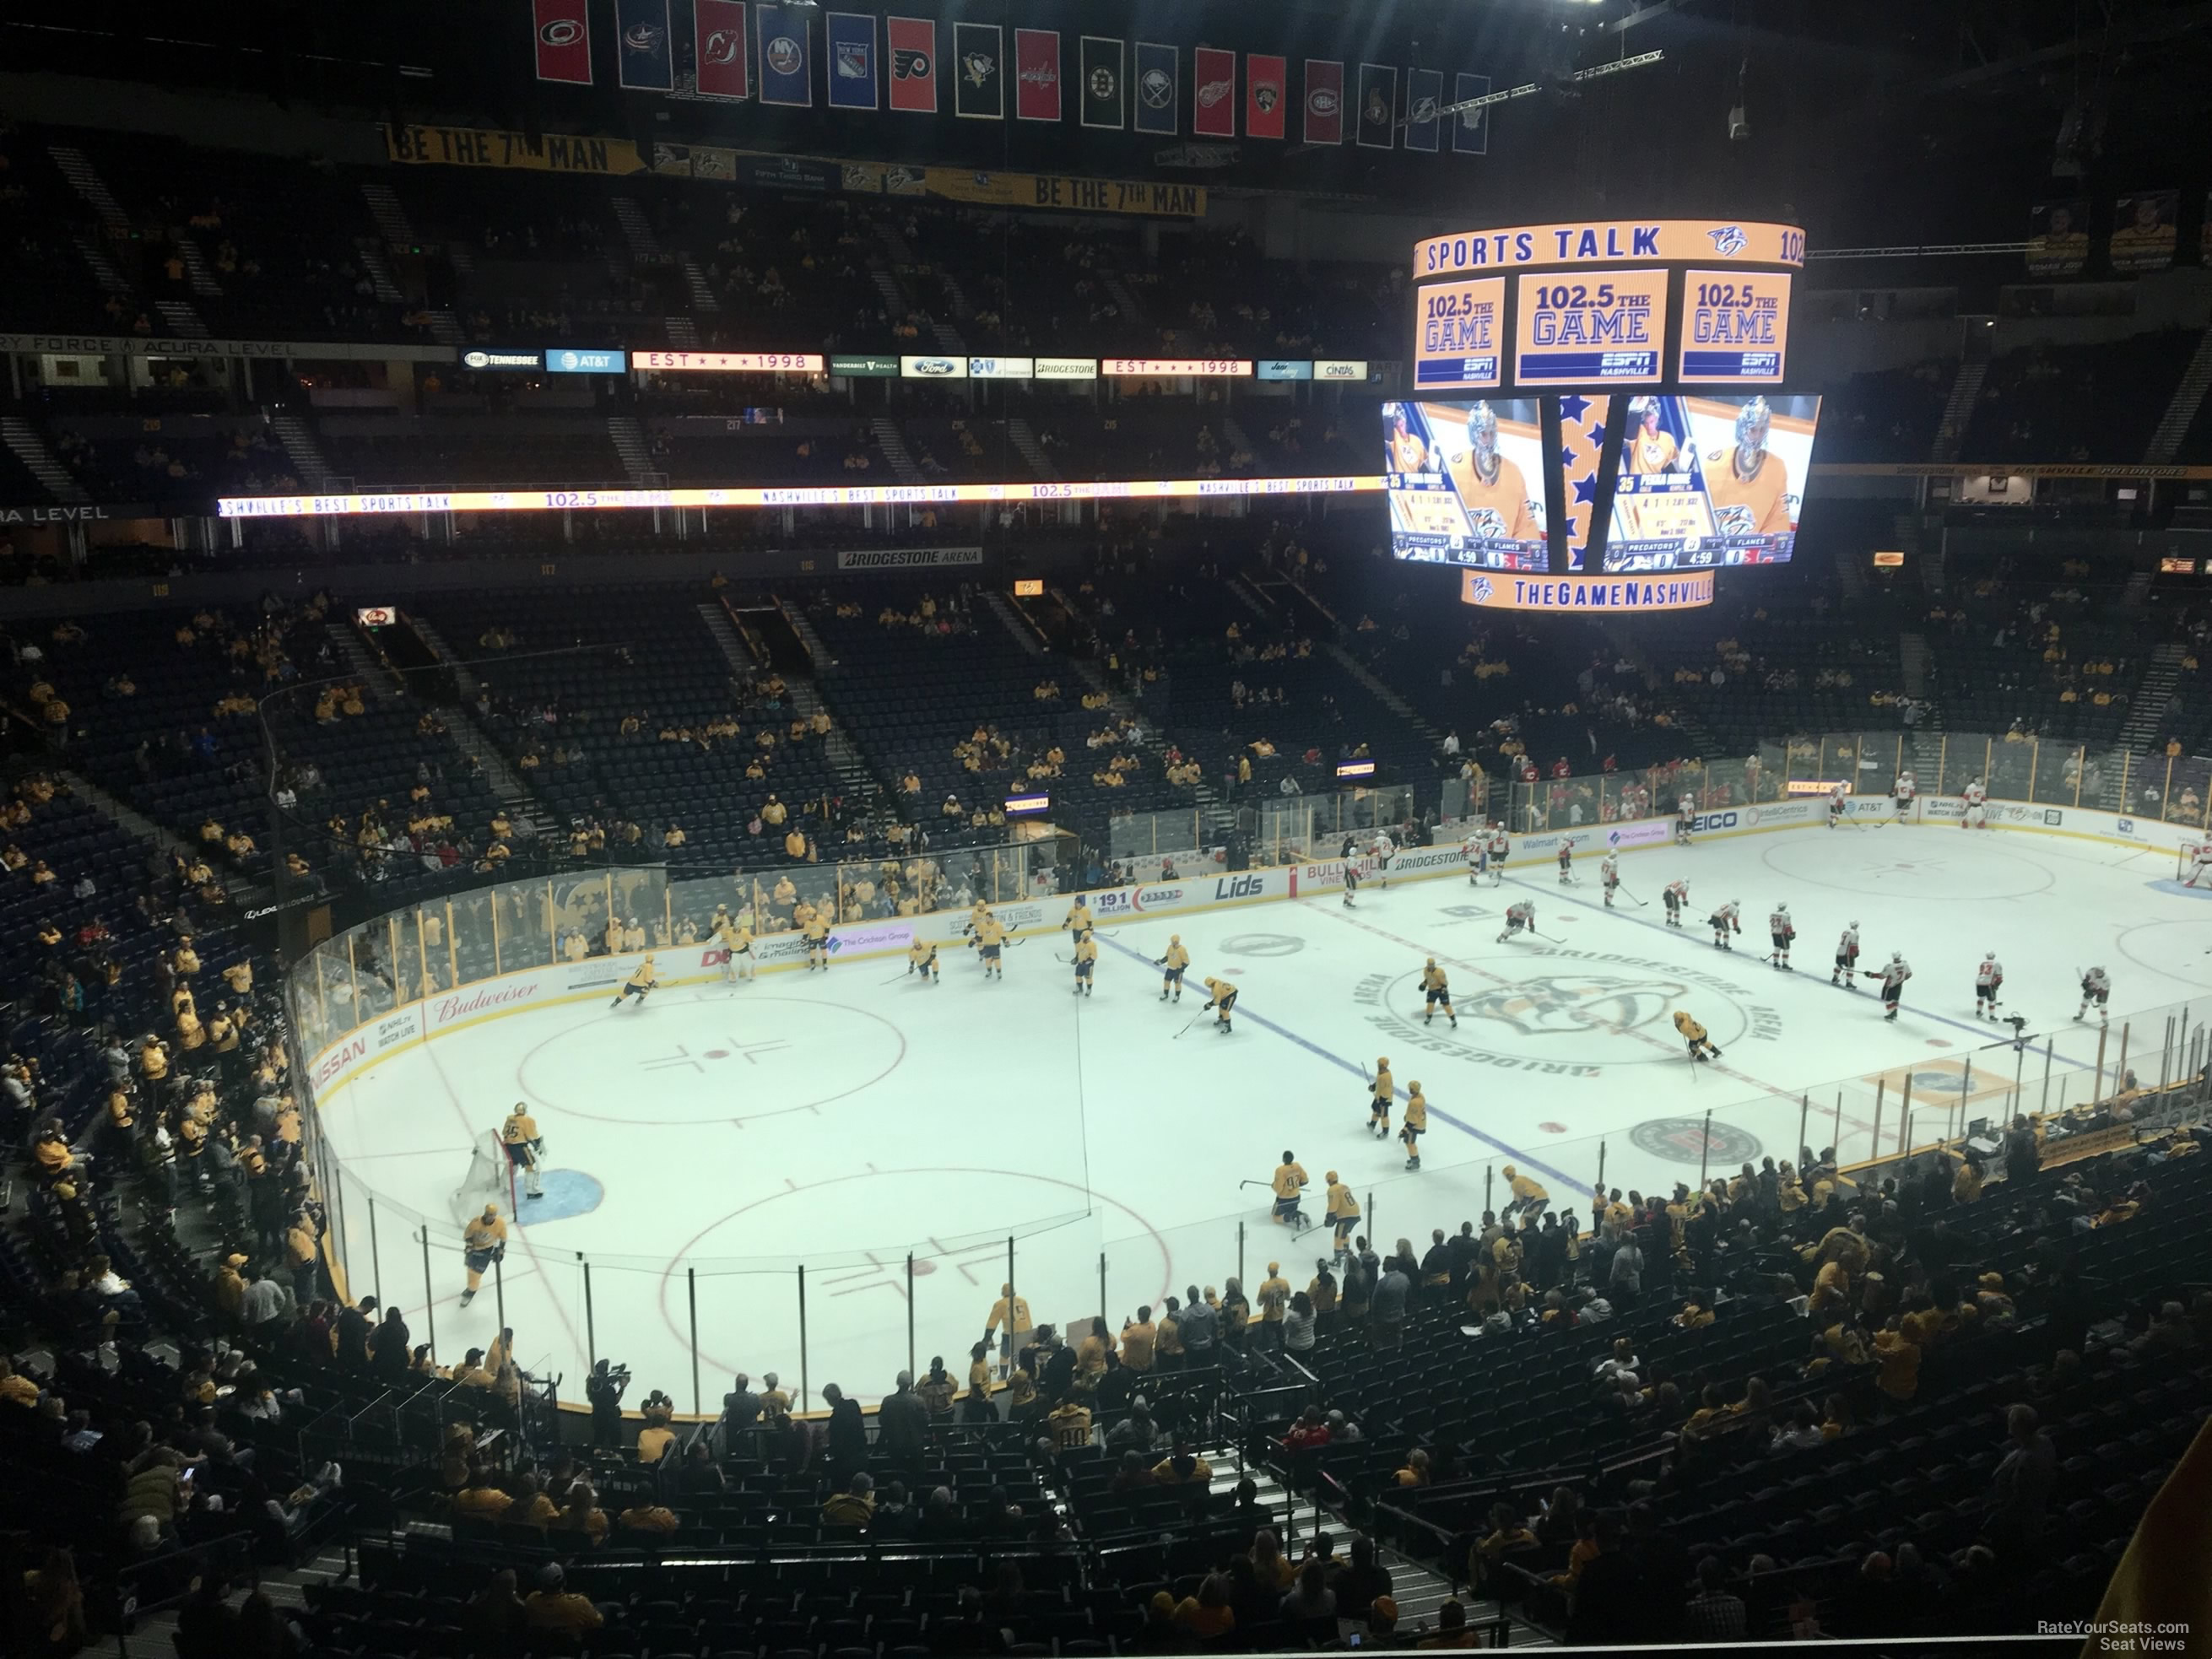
<point x="709" y="1142"/>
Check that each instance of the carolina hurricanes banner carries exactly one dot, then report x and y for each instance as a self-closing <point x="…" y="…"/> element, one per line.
<point x="646" y="59"/>
<point x="1213" y="93"/>
<point x="1037" y="74"/>
<point x="852" y="38"/>
<point x="784" y="75"/>
<point x="1156" y="90"/>
<point x="718" y="40"/>
<point x="1424" y="95"/>
<point x="564" y="41"/>
<point x="1324" y="104"/>
<point x="914" y="63"/>
<point x="1378" y="107"/>
<point x="1264" y="81"/>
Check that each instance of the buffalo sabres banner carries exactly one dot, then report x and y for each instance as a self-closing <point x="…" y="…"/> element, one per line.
<point x="1156" y="88"/>
<point x="786" y="77"/>
<point x="979" y="72"/>
<point x="564" y="41"/>
<point x="1324" y="102"/>
<point x="1470" y="127"/>
<point x="1424" y="95"/>
<point x="2142" y="229"/>
<point x="718" y="48"/>
<point x="1103" y="95"/>
<point x="852" y="43"/>
<point x="914" y="63"/>
<point x="1264" y="79"/>
<point x="648" y="60"/>
<point x="1213" y="93"/>
<point x="1378" y="107"/>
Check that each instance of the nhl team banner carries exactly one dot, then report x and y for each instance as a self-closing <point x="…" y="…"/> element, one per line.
<point x="718" y="48"/>
<point x="979" y="72"/>
<point x="1470" y="127"/>
<point x="1324" y="102"/>
<point x="1037" y="74"/>
<point x="564" y="41"/>
<point x="1424" y="95"/>
<point x="1264" y="76"/>
<point x="1378" y="107"/>
<point x="2057" y="238"/>
<point x="852" y="38"/>
<point x="2143" y="229"/>
<point x="646" y="58"/>
<point x="914" y="63"/>
<point x="786" y="77"/>
<point x="1213" y="93"/>
<point x="1104" y="96"/>
<point x="1157" y="88"/>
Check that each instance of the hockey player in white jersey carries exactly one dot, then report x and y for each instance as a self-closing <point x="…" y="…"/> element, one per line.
<point x="1781" y="930"/>
<point x="1725" y="921"/>
<point x="1847" y="959"/>
<point x="1566" y="860"/>
<point x="1684" y="815"/>
<point x="1608" y="875"/>
<point x="1988" y="980"/>
<point x="1473" y="850"/>
<point x="1976" y="815"/>
<point x="1495" y="852"/>
<point x="2096" y="989"/>
<point x="1382" y="847"/>
<point x="1903" y="792"/>
<point x="1676" y="894"/>
<point x="1838" y="799"/>
<point x="1892" y="975"/>
<point x="2199" y="867"/>
<point x="1518" y="916"/>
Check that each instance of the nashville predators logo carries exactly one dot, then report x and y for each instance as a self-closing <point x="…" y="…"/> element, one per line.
<point x="1487" y="522"/>
<point x="1734" y="519"/>
<point x="1567" y="1004"/>
<point x="1728" y="239"/>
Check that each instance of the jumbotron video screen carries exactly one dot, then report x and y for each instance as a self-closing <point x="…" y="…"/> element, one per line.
<point x="1466" y="483"/>
<point x="1707" y="482"/>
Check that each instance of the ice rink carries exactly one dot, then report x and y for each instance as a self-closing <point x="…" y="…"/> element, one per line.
<point x="706" y="1144"/>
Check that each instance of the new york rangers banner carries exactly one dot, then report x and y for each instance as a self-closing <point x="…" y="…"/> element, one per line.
<point x="1213" y="93"/>
<point x="1157" y="88"/>
<point x="979" y="72"/>
<point x="1425" y="93"/>
<point x="1264" y="81"/>
<point x="1324" y="103"/>
<point x="646" y="59"/>
<point x="1470" y="128"/>
<point x="564" y="41"/>
<point x="852" y="38"/>
<point x="1103" y="93"/>
<point x="914" y="63"/>
<point x="718" y="48"/>
<point x="1037" y="74"/>
<point x="785" y="75"/>
<point x="1378" y="107"/>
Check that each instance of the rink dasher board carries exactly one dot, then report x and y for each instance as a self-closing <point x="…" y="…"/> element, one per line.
<point x="342" y="1062"/>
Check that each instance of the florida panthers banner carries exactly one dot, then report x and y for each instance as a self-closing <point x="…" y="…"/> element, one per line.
<point x="914" y="63"/>
<point x="1324" y="102"/>
<point x="1470" y="127"/>
<point x="718" y="48"/>
<point x="646" y="58"/>
<point x="1264" y="79"/>
<point x="564" y="41"/>
<point x="1378" y="107"/>
<point x="852" y="44"/>
<point x="1037" y="74"/>
<point x="1213" y="93"/>
<point x="786" y="77"/>
<point x="1424" y="95"/>
<point x="1156" y="88"/>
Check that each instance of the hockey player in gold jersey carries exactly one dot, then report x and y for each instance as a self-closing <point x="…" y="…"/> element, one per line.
<point x="1287" y="1183"/>
<point x="1171" y="966"/>
<point x="1086" y="962"/>
<point x="990" y="938"/>
<point x="483" y="1241"/>
<point x="922" y="959"/>
<point x="1749" y="484"/>
<point x="1380" y="1091"/>
<point x="1417" y="1124"/>
<point x="1220" y="998"/>
<point x="1438" y="993"/>
<point x="642" y="979"/>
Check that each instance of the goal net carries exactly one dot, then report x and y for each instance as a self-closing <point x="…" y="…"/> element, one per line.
<point x="491" y="1180"/>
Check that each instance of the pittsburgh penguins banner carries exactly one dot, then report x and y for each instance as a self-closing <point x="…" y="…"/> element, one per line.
<point x="1104" y="93"/>
<point x="648" y="60"/>
<point x="1156" y="88"/>
<point x="718" y="48"/>
<point x="1324" y="102"/>
<point x="1265" y="78"/>
<point x="979" y="72"/>
<point x="1424" y="94"/>
<point x="1378" y="107"/>
<point x="852" y="37"/>
<point x="1470" y="128"/>
<point x="786" y="77"/>
<point x="914" y="63"/>
<point x="564" y="41"/>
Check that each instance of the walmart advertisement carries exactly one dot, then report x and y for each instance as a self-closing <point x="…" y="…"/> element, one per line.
<point x="1465" y="483"/>
<point x="1709" y="482"/>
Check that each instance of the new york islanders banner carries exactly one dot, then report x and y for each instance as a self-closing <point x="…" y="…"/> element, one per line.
<point x="785" y="75"/>
<point x="1378" y="107"/>
<point x="1470" y="128"/>
<point x="718" y="48"/>
<point x="1037" y="74"/>
<point x="1324" y="101"/>
<point x="914" y="63"/>
<point x="648" y="60"/>
<point x="1104" y="95"/>
<point x="1156" y="88"/>
<point x="564" y="41"/>
<point x="1424" y="95"/>
<point x="1264" y="79"/>
<point x="852" y="38"/>
<point x="1213" y="93"/>
<point x="979" y="72"/>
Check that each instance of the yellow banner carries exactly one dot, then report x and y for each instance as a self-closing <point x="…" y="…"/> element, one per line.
<point x="1063" y="194"/>
<point x="492" y="147"/>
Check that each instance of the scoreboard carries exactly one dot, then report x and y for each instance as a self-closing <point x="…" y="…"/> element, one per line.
<point x="1588" y="326"/>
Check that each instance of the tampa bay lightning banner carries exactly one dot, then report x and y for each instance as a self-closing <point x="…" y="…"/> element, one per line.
<point x="648" y="60"/>
<point x="851" y="60"/>
<point x="1424" y="97"/>
<point x="785" y="75"/>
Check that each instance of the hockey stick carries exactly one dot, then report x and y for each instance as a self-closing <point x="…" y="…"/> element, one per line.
<point x="1639" y="903"/>
<point x="1192" y="1021"/>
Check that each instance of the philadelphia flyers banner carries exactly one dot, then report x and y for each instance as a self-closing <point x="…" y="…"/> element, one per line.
<point x="914" y="63"/>
<point x="564" y="41"/>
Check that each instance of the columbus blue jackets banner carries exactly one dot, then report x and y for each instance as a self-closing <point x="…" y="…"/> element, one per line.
<point x="1157" y="88"/>
<point x="1378" y="107"/>
<point x="1103" y="91"/>
<point x="914" y="63"/>
<point x="648" y="60"/>
<point x="1425" y="93"/>
<point x="785" y="75"/>
<point x="564" y="41"/>
<point x="1470" y="128"/>
<point x="979" y="72"/>
<point x="851" y="60"/>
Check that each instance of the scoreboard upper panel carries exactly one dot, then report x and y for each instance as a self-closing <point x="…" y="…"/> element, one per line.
<point x="1675" y="302"/>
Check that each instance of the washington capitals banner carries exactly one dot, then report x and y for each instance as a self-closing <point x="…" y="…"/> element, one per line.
<point x="1424" y="94"/>
<point x="718" y="43"/>
<point x="1378" y="107"/>
<point x="648" y="60"/>
<point x="786" y="77"/>
<point x="1265" y="78"/>
<point x="1037" y="74"/>
<point x="914" y="63"/>
<point x="852" y="37"/>
<point x="1324" y="105"/>
<point x="1104" y="93"/>
<point x="1213" y="93"/>
<point x="979" y="72"/>
<point x="1156" y="88"/>
<point x="564" y="41"/>
<point x="1470" y="128"/>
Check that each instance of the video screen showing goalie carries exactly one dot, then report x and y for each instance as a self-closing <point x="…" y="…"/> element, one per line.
<point x="1707" y="482"/>
<point x="1465" y="481"/>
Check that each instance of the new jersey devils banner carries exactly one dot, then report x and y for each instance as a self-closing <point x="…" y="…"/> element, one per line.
<point x="1037" y="74"/>
<point x="564" y="41"/>
<point x="1324" y="101"/>
<point x="914" y="63"/>
<point x="718" y="40"/>
<point x="1264" y="78"/>
<point x="1213" y="93"/>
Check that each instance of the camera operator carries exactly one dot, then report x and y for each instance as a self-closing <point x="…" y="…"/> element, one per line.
<point x="604" y="1388"/>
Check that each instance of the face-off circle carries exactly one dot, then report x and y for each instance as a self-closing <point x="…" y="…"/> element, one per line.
<point x="1262" y="944"/>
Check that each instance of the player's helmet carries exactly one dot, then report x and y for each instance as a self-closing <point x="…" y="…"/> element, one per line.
<point x="1482" y="431"/>
<point x="1784" y="908"/>
<point x="1989" y="955"/>
<point x="1897" y="955"/>
<point x="1855" y="922"/>
<point x="1751" y="425"/>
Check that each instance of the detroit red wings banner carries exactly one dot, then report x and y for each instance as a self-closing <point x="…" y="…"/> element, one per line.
<point x="1264" y="96"/>
<point x="719" y="41"/>
<point x="1213" y="93"/>
<point x="1324" y="101"/>
<point x="564" y="41"/>
<point x="1037" y="74"/>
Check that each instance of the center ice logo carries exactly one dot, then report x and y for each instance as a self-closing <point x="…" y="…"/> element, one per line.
<point x="1558" y="1005"/>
